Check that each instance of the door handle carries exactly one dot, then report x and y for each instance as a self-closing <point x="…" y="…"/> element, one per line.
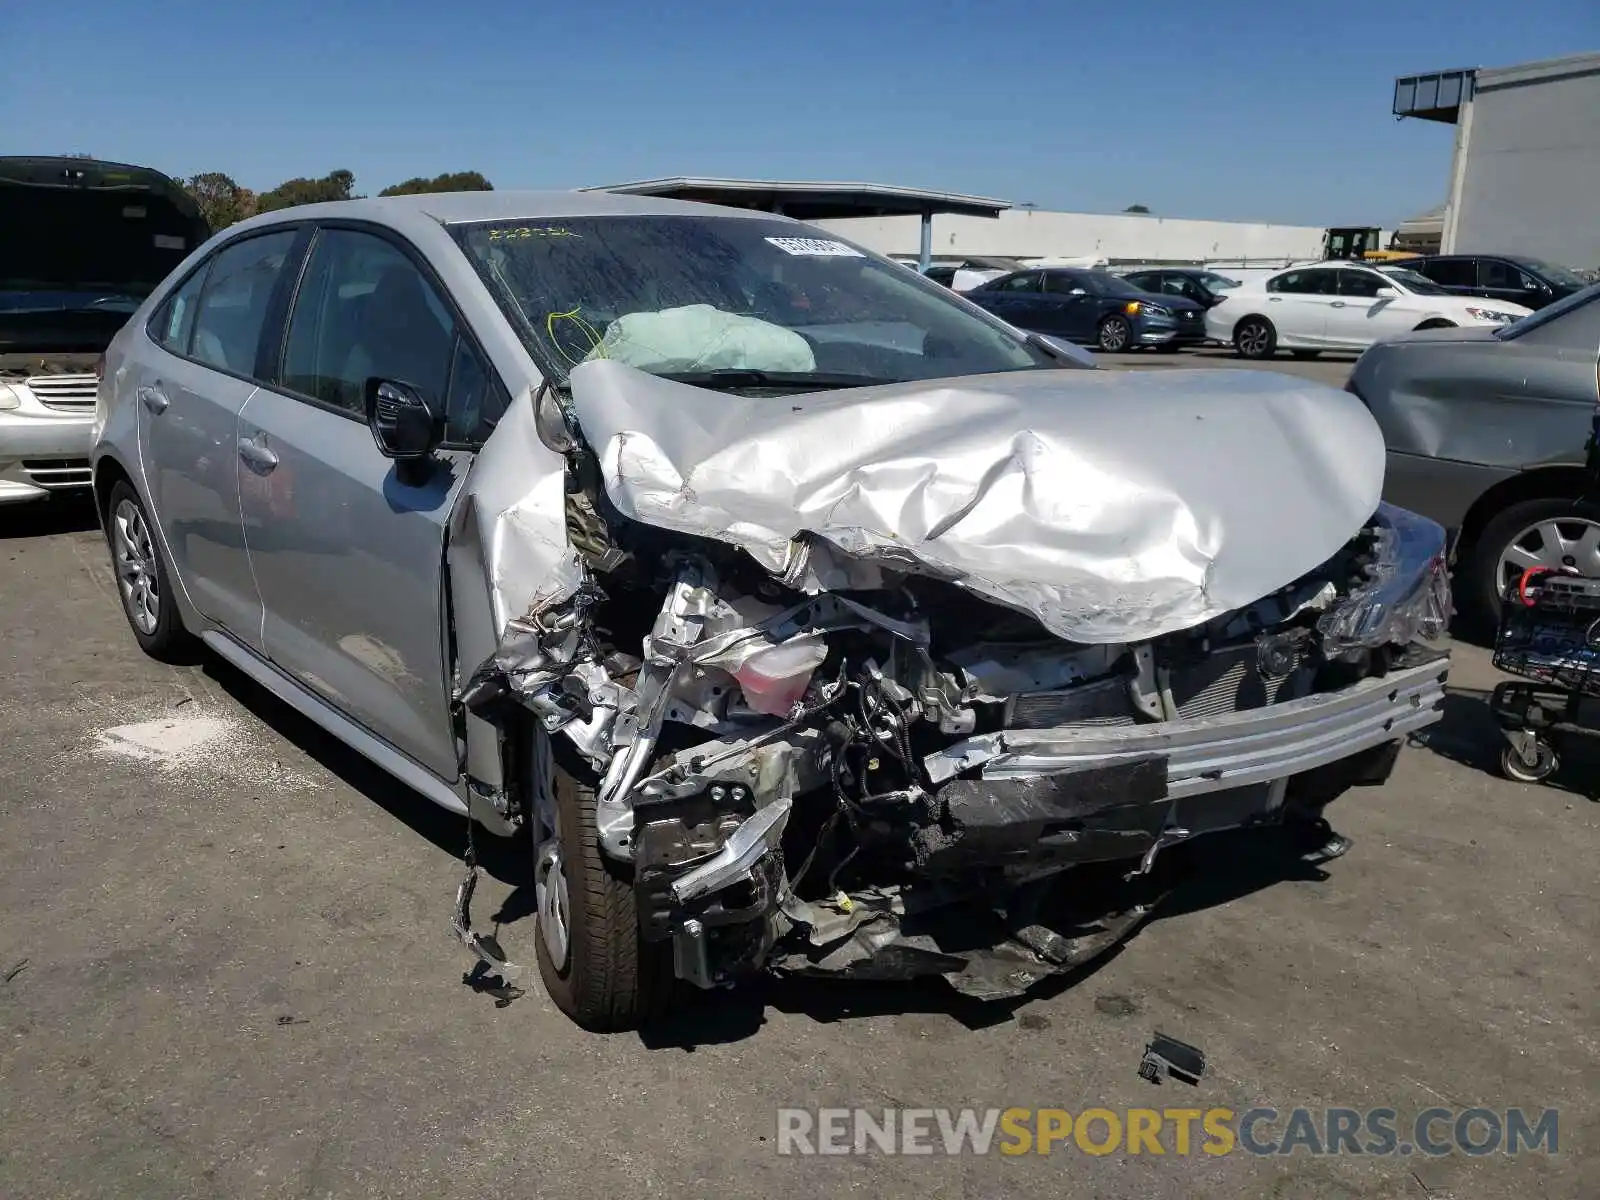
<point x="257" y="455"/>
<point x="1274" y="299"/>
<point x="1337" y="304"/>
<point x="154" y="399"/>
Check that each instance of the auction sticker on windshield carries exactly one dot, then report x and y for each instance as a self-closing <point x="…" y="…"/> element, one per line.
<point x="815" y="247"/>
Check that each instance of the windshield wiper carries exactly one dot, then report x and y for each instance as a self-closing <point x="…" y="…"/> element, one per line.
<point x="798" y="381"/>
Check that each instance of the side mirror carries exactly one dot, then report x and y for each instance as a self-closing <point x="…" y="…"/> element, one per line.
<point x="403" y="423"/>
<point x="550" y="421"/>
<point x="1386" y="293"/>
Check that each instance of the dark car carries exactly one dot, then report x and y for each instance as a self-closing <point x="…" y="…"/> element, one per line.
<point x="1486" y="433"/>
<point x="1093" y="308"/>
<point x="1525" y="281"/>
<point x="1205" y="288"/>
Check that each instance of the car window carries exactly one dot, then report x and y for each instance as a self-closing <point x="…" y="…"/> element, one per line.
<point x="1497" y="273"/>
<point x="1316" y="282"/>
<point x="233" y="304"/>
<point x="475" y="401"/>
<point x="174" y="324"/>
<point x="1364" y="284"/>
<point x="1179" y="285"/>
<point x="1148" y="281"/>
<point x="1451" y="272"/>
<point x="1060" y="283"/>
<point x="365" y="310"/>
<point x="1027" y="281"/>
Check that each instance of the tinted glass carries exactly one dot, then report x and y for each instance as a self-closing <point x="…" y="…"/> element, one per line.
<point x="365" y="310"/>
<point x="1451" y="272"/>
<point x="1497" y="273"/>
<point x="1149" y="281"/>
<point x="1062" y="284"/>
<point x="687" y="295"/>
<point x="1305" y="283"/>
<point x="1028" y="281"/>
<point x="1410" y="281"/>
<point x="1360" y="284"/>
<point x="233" y="305"/>
<point x="1555" y="273"/>
<point x="173" y="327"/>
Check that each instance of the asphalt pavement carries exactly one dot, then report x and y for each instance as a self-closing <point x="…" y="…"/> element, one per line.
<point x="226" y="970"/>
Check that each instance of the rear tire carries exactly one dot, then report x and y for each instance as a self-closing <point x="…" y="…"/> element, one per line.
<point x="144" y="585"/>
<point x="1478" y="583"/>
<point x="1255" y="338"/>
<point x="610" y="979"/>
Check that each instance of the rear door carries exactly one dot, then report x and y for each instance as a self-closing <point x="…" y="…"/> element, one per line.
<point x="1299" y="304"/>
<point x="349" y="559"/>
<point x="209" y="336"/>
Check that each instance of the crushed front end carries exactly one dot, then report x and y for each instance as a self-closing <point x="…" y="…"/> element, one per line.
<point x="893" y="779"/>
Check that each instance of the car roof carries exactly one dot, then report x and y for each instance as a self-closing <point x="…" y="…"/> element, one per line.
<point x="461" y="208"/>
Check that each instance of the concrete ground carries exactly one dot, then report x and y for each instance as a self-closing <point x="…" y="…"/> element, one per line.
<point x="226" y="970"/>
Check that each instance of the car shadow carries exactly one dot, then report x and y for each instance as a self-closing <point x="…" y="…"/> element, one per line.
<point x="1469" y="735"/>
<point x="503" y="858"/>
<point x="68" y="513"/>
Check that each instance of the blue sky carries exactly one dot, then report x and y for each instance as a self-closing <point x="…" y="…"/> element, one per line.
<point x="1237" y="109"/>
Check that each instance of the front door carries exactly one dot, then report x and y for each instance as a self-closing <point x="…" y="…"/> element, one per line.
<point x="1357" y="317"/>
<point x="189" y="402"/>
<point x="1299" y="303"/>
<point x="349" y="559"/>
<point x="1068" y="310"/>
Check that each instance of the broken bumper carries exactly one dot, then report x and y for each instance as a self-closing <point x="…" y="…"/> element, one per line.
<point x="1211" y="754"/>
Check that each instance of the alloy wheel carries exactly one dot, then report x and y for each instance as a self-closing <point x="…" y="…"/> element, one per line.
<point x="1253" y="340"/>
<point x="1114" y="335"/>
<point x="1556" y="543"/>
<point x="136" y="567"/>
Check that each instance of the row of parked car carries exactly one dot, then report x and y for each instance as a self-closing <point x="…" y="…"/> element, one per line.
<point x="1335" y="305"/>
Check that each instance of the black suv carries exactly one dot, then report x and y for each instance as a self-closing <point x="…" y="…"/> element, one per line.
<point x="1525" y="281"/>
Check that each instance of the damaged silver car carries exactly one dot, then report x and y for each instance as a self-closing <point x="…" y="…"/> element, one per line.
<point x="800" y="615"/>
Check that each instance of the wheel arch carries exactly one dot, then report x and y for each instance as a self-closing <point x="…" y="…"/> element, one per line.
<point x="1560" y="482"/>
<point x="1436" y="323"/>
<point x="108" y="472"/>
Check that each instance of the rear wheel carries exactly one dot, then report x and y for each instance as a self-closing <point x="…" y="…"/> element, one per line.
<point x="1254" y="337"/>
<point x="595" y="966"/>
<point x="1545" y="762"/>
<point x="1553" y="532"/>
<point x="143" y="582"/>
<point x="1114" y="335"/>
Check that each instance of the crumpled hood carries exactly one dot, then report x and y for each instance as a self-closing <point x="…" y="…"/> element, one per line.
<point x="1113" y="506"/>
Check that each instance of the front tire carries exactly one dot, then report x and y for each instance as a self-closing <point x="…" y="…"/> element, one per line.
<point x="1255" y="338"/>
<point x="595" y="966"/>
<point x="1114" y="335"/>
<point x="144" y="584"/>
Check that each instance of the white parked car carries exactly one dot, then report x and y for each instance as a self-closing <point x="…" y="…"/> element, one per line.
<point x="1342" y="306"/>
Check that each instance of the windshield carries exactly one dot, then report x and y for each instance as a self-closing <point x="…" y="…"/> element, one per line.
<point x="1548" y="313"/>
<point x="1421" y="285"/>
<point x="54" y="301"/>
<point x="729" y="301"/>
<point x="1558" y="275"/>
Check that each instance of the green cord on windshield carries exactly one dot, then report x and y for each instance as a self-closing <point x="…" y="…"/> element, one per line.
<point x="596" y="342"/>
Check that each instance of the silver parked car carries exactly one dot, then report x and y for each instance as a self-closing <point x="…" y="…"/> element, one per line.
<point x="1487" y="432"/>
<point x="801" y="615"/>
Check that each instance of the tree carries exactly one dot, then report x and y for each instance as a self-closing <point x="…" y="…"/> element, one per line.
<point x="335" y="185"/>
<point x="456" y="181"/>
<point x="222" y="201"/>
<point x="1136" y="208"/>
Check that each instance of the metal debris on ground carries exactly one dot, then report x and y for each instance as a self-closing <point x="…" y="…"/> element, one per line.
<point x="1168" y="1057"/>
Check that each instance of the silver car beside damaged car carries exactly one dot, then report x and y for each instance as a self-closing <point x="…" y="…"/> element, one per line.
<point x="801" y="615"/>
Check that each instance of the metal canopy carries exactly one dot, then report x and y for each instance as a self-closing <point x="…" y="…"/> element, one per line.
<point x="1437" y="96"/>
<point x="818" y="201"/>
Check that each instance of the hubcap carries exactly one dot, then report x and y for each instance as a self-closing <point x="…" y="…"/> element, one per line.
<point x="1561" y="542"/>
<point x="135" y="560"/>
<point x="1253" y="340"/>
<point x="550" y="891"/>
<point x="1113" y="335"/>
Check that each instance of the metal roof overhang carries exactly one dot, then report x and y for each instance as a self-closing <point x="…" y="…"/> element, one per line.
<point x="812" y="201"/>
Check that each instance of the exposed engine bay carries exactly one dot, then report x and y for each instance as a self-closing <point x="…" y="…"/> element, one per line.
<point x="883" y="779"/>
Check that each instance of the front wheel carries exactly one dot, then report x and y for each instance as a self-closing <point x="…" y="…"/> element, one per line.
<point x="1254" y="337"/>
<point x="143" y="582"/>
<point x="595" y="966"/>
<point x="1114" y="335"/>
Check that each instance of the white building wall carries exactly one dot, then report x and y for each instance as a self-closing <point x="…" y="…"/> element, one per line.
<point x="1033" y="233"/>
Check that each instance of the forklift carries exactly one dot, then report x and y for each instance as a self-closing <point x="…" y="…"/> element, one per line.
<point x="1363" y="244"/>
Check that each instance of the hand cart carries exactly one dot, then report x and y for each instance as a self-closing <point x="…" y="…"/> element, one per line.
<point x="1549" y="634"/>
